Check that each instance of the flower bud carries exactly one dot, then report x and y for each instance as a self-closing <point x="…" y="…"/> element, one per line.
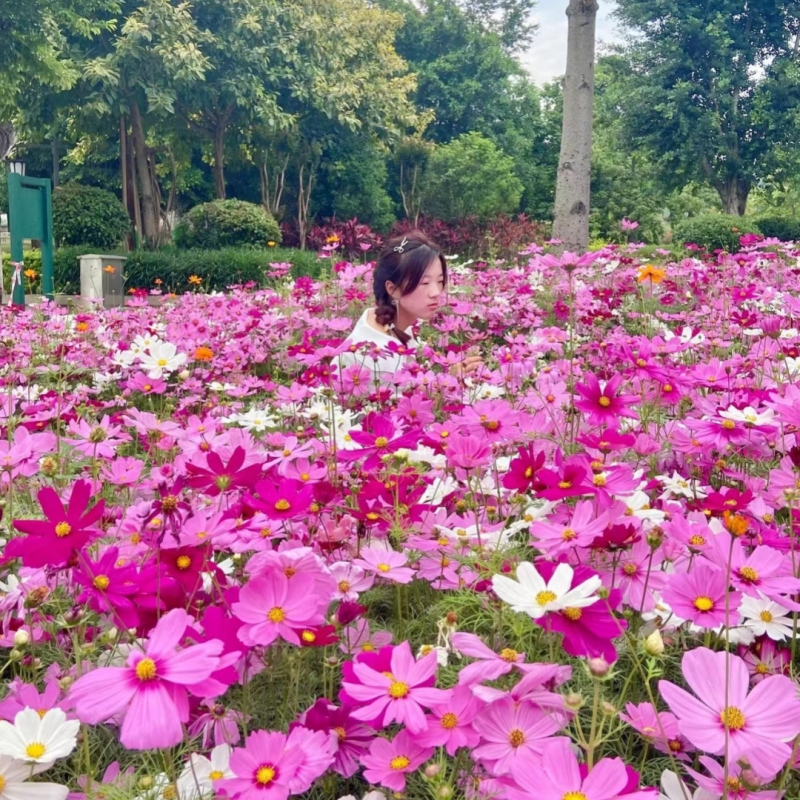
<point x="432" y="770"/>
<point x="598" y="667"/>
<point x="444" y="792"/>
<point x="21" y="638"/>
<point x="574" y="701"/>
<point x="608" y="708"/>
<point x="654" y="644"/>
<point x="15" y="655"/>
<point x="183" y="375"/>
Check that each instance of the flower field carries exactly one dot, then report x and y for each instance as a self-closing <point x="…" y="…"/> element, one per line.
<point x="233" y="570"/>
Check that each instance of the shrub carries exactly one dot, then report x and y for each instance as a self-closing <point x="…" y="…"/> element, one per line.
<point x="714" y="231"/>
<point x="779" y="226"/>
<point x="86" y="215"/>
<point x="350" y="235"/>
<point x="226" y="223"/>
<point x="470" y="175"/>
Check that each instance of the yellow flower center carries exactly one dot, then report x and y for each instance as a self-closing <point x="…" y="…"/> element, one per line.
<point x="604" y="401"/>
<point x="35" y="750"/>
<point x="574" y="796"/>
<point x="282" y="505"/>
<point x="568" y="534"/>
<point x="543" y="598"/>
<point x="748" y="574"/>
<point x="63" y="529"/>
<point x="162" y="362"/>
<point x="449" y="721"/>
<point x="516" y="737"/>
<point x="383" y="567"/>
<point x="101" y="582"/>
<point x="381" y="441"/>
<point x="565" y="484"/>
<point x="703" y="603"/>
<point x="265" y="775"/>
<point x="766" y="616"/>
<point x="762" y="668"/>
<point x="340" y="732"/>
<point x="183" y="562"/>
<point x="215" y="774"/>
<point x="697" y="540"/>
<point x="146" y="669"/>
<point x="344" y="586"/>
<point x="276" y="614"/>
<point x="398" y="690"/>
<point x="728" y="424"/>
<point x="309" y="636"/>
<point x="630" y="569"/>
<point x="573" y="614"/>
<point x="599" y="480"/>
<point x="732" y="718"/>
<point x="399" y="762"/>
<point x="2" y="783"/>
<point x="507" y="654"/>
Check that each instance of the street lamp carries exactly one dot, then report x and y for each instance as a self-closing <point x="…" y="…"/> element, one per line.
<point x="16" y="165"/>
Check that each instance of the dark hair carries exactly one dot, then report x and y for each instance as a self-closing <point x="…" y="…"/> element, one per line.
<point x="402" y="261"/>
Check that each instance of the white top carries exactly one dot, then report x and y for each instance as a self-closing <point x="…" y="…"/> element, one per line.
<point x="364" y="332"/>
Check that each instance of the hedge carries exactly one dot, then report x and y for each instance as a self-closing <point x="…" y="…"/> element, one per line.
<point x="714" y="231"/>
<point x="227" y="223"/>
<point x="779" y="226"/>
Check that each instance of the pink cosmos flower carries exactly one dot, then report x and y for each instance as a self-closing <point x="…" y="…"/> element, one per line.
<point x="389" y="761"/>
<point x="491" y="665"/>
<point x="757" y="725"/>
<point x="556" y="775"/>
<point x="512" y="731"/>
<point x="699" y="596"/>
<point x="450" y="724"/>
<point x="579" y="530"/>
<point x="738" y="784"/>
<point x="272" y="605"/>
<point x="659" y="727"/>
<point x="264" y="767"/>
<point x="386" y="564"/>
<point x="400" y="695"/>
<point x="602" y="403"/>
<point x="153" y="688"/>
<point x="97" y="441"/>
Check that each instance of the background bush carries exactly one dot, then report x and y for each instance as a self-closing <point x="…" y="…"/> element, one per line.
<point x="226" y="223"/>
<point x="714" y="231"/>
<point x="470" y="176"/>
<point x="779" y="226"/>
<point x="86" y="215"/>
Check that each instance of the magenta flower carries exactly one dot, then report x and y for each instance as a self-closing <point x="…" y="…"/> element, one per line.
<point x="389" y="761"/>
<point x="759" y="724"/>
<point x="217" y="477"/>
<point x="288" y="499"/>
<point x="400" y="695"/>
<point x="699" y="596"/>
<point x="264" y="767"/>
<point x="153" y="688"/>
<point x="386" y="564"/>
<point x="109" y="588"/>
<point x="512" y="731"/>
<point x="383" y="439"/>
<point x="557" y="776"/>
<point x="272" y="605"/>
<point x="602" y="403"/>
<point x="450" y="723"/>
<point x="491" y="665"/>
<point x="54" y="540"/>
<point x="468" y="452"/>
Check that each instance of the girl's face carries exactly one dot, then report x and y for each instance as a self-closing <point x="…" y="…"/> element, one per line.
<point x="423" y="302"/>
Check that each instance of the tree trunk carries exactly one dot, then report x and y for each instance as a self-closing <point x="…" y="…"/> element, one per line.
<point x="303" y="201"/>
<point x="573" y="184"/>
<point x="219" y="161"/>
<point x="149" y="215"/>
<point x="733" y="193"/>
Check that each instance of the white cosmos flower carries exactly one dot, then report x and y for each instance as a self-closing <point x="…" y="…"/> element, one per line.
<point x="37" y="739"/>
<point x="161" y="358"/>
<point x="639" y="504"/>
<point x="765" y="617"/>
<point x="677" y="485"/>
<point x="673" y="788"/>
<point x="531" y="595"/>
<point x="14" y="775"/>
<point x="196" y="780"/>
<point x="143" y="343"/>
<point x="256" y="419"/>
<point x="749" y="415"/>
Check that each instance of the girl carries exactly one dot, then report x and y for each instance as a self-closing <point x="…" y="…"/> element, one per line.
<point x="408" y="282"/>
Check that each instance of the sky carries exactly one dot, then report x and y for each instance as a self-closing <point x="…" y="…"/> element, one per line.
<point x="547" y="56"/>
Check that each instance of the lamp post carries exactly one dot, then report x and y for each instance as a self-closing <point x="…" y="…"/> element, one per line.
<point x="16" y="165"/>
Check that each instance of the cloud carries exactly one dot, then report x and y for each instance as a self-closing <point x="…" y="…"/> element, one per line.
<point x="547" y="57"/>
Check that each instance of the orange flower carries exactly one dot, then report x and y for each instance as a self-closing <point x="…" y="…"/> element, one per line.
<point x="30" y="273"/>
<point x="654" y="274"/>
<point x="81" y="326"/>
<point x="158" y="281"/>
<point x="195" y="280"/>
<point x="332" y="239"/>
<point x="203" y="354"/>
<point x="271" y="244"/>
<point x="109" y="269"/>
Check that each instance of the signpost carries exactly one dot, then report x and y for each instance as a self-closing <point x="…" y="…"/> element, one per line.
<point x="30" y="216"/>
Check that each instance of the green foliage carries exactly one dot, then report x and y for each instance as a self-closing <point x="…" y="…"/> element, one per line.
<point x="470" y="175"/>
<point x="779" y="226"/>
<point x="226" y="223"/>
<point x="714" y="231"/>
<point x="86" y="215"/>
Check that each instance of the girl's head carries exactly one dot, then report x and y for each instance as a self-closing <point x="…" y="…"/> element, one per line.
<point x="409" y="279"/>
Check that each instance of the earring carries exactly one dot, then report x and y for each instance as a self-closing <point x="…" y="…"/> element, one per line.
<point x="394" y="302"/>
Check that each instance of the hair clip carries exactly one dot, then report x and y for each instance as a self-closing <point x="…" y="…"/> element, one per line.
<point x="401" y="246"/>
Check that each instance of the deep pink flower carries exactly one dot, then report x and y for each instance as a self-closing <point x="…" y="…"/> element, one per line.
<point x="218" y="477"/>
<point x="381" y="440"/>
<point x="759" y="724"/>
<point x="602" y="403"/>
<point x="109" y="588"/>
<point x="288" y="499"/>
<point x="153" y="688"/>
<point x="399" y="695"/>
<point x="389" y="761"/>
<point x="54" y="540"/>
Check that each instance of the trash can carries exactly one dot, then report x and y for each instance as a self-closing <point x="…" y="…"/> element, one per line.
<point x="101" y="279"/>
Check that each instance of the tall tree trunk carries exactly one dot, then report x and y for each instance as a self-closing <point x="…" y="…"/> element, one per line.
<point x="303" y="202"/>
<point x="734" y="192"/>
<point x="573" y="184"/>
<point x="149" y="213"/>
<point x="219" y="160"/>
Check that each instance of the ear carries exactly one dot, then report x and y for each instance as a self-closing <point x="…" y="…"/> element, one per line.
<point x="393" y="291"/>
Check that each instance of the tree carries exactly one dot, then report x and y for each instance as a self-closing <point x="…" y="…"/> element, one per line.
<point x="573" y="185"/>
<point x="470" y="176"/>
<point x="713" y="88"/>
<point x="511" y="20"/>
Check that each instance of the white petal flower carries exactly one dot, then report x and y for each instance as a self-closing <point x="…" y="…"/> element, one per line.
<point x="161" y="358"/>
<point x="14" y="784"/>
<point x="765" y="617"/>
<point x="37" y="739"/>
<point x="198" y="776"/>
